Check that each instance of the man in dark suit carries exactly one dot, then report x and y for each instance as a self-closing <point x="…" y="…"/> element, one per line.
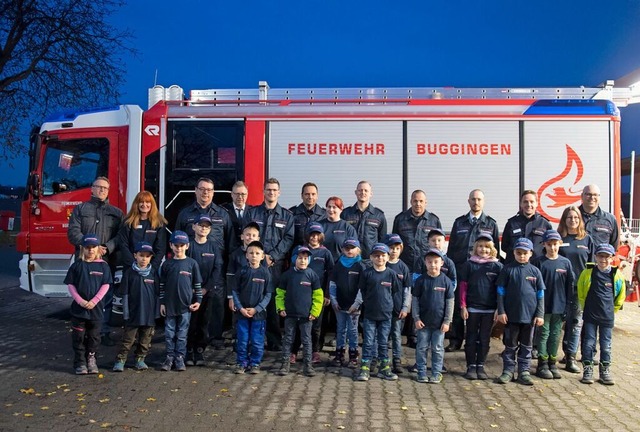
<point x="238" y="207"/>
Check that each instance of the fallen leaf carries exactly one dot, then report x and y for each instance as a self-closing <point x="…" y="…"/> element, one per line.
<point x="44" y="408"/>
<point x="27" y="391"/>
<point x="92" y="421"/>
<point x="59" y="386"/>
<point x="106" y="425"/>
<point x="215" y="415"/>
<point x="224" y="390"/>
<point x="66" y="390"/>
<point x="340" y="427"/>
<point x="79" y="394"/>
<point x="494" y="425"/>
<point x="105" y="400"/>
<point x="342" y="412"/>
<point x="100" y="376"/>
<point x="543" y="430"/>
<point x="497" y="404"/>
<point x="327" y="425"/>
<point x="404" y="408"/>
<point x="28" y="415"/>
<point x="194" y="382"/>
<point x="151" y="399"/>
<point x="8" y="405"/>
<point x="491" y="408"/>
<point x="197" y="415"/>
<point x="142" y="410"/>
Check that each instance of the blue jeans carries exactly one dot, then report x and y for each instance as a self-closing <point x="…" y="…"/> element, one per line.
<point x="250" y="333"/>
<point x="175" y="334"/>
<point x="375" y="331"/>
<point x="590" y="332"/>
<point x="346" y="328"/>
<point x="430" y="338"/>
<point x="572" y="329"/>
<point x="397" y="325"/>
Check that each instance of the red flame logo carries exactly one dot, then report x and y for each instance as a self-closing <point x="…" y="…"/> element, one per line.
<point x="554" y="195"/>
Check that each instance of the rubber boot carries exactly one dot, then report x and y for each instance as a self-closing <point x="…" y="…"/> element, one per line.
<point x="543" y="369"/>
<point x="553" y="368"/>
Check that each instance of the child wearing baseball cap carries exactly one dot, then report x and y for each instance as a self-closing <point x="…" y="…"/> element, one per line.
<point x="601" y="292"/>
<point x="520" y="309"/>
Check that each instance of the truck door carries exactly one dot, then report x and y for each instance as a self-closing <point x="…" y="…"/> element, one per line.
<point x="201" y="148"/>
<point x="69" y="165"/>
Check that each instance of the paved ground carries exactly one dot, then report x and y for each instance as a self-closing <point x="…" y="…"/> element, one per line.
<point x="39" y="392"/>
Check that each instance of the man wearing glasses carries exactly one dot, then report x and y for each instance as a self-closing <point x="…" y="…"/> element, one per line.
<point x="238" y="207"/>
<point x="601" y="225"/>
<point x="221" y="228"/>
<point x="97" y="216"/>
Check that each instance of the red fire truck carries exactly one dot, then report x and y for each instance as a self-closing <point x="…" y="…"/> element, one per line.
<point x="446" y="141"/>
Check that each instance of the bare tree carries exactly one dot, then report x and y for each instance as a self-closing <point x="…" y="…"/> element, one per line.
<point x="56" y="53"/>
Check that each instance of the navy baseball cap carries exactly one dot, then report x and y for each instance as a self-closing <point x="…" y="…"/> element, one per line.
<point x="257" y="244"/>
<point x="314" y="227"/>
<point x="551" y="235"/>
<point x="484" y="236"/>
<point x="435" y="231"/>
<point x="605" y="248"/>
<point x="353" y="242"/>
<point x="380" y="247"/>
<point x="391" y="239"/>
<point x="179" y="237"/>
<point x="524" y="244"/>
<point x="203" y="218"/>
<point x="143" y="247"/>
<point x="434" y="251"/>
<point x="90" y="240"/>
<point x="251" y="225"/>
<point x="301" y="249"/>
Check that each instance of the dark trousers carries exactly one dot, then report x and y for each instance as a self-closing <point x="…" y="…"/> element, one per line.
<point x="316" y="326"/>
<point x="456" y="331"/>
<point x="140" y="336"/>
<point x="198" y="334"/>
<point x="290" y="326"/>
<point x="85" y="339"/>
<point x="274" y="334"/>
<point x="215" y="312"/>
<point x="478" y="338"/>
<point x="518" y="341"/>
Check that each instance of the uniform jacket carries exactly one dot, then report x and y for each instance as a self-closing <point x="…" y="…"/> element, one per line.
<point x="221" y="226"/>
<point x="276" y="229"/>
<point x="464" y="234"/>
<point x="601" y="226"/>
<point x="370" y="226"/>
<point x="129" y="236"/>
<point x="301" y="217"/>
<point x="518" y="226"/>
<point x="413" y="231"/>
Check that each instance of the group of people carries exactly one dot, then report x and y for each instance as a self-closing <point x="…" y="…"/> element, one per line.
<point x="306" y="266"/>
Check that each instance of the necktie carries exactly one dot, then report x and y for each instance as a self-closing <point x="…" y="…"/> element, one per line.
<point x="239" y="213"/>
<point x="474" y="220"/>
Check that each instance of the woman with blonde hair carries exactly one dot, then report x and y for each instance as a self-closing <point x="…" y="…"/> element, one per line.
<point x="143" y="223"/>
<point x="578" y="247"/>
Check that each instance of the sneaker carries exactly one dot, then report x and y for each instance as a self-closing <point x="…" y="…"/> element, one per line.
<point x="309" y="370"/>
<point x="254" y="369"/>
<point x="453" y="346"/>
<point x="397" y="366"/>
<point x="118" y="366"/>
<point x="353" y="357"/>
<point x="435" y="378"/>
<point x="81" y="370"/>
<point x="239" y="369"/>
<point x="472" y="373"/>
<point x="338" y="360"/>
<point x="524" y="378"/>
<point x="605" y="374"/>
<point x="315" y="358"/>
<point x="140" y="364"/>
<point x="217" y="344"/>
<point x="106" y="340"/>
<point x="444" y="369"/>
<point x="587" y="373"/>
<point x="364" y="374"/>
<point x="482" y="374"/>
<point x="386" y="373"/>
<point x="413" y="368"/>
<point x="92" y="366"/>
<point x="166" y="365"/>
<point x="373" y="366"/>
<point x="284" y="368"/>
<point x="332" y="343"/>
<point x="198" y="357"/>
<point x="293" y="358"/>
<point x="188" y="360"/>
<point x="505" y="378"/>
<point x="422" y="378"/>
<point x="180" y="366"/>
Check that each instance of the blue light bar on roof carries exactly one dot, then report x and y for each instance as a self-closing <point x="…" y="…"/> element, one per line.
<point x="573" y="107"/>
<point x="72" y="114"/>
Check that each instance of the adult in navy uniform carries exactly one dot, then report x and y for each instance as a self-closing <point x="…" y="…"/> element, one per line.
<point x="221" y="227"/>
<point x="237" y="208"/>
<point x="465" y="231"/>
<point x="369" y="222"/>
<point x="413" y="226"/>
<point x="307" y="211"/>
<point x="276" y="234"/>
<point x="526" y="223"/>
<point x="98" y="217"/>
<point x="600" y="225"/>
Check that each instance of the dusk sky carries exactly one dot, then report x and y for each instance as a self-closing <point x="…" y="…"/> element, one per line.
<point x="213" y="44"/>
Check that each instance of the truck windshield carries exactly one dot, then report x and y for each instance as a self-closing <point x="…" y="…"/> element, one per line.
<point x="73" y="164"/>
